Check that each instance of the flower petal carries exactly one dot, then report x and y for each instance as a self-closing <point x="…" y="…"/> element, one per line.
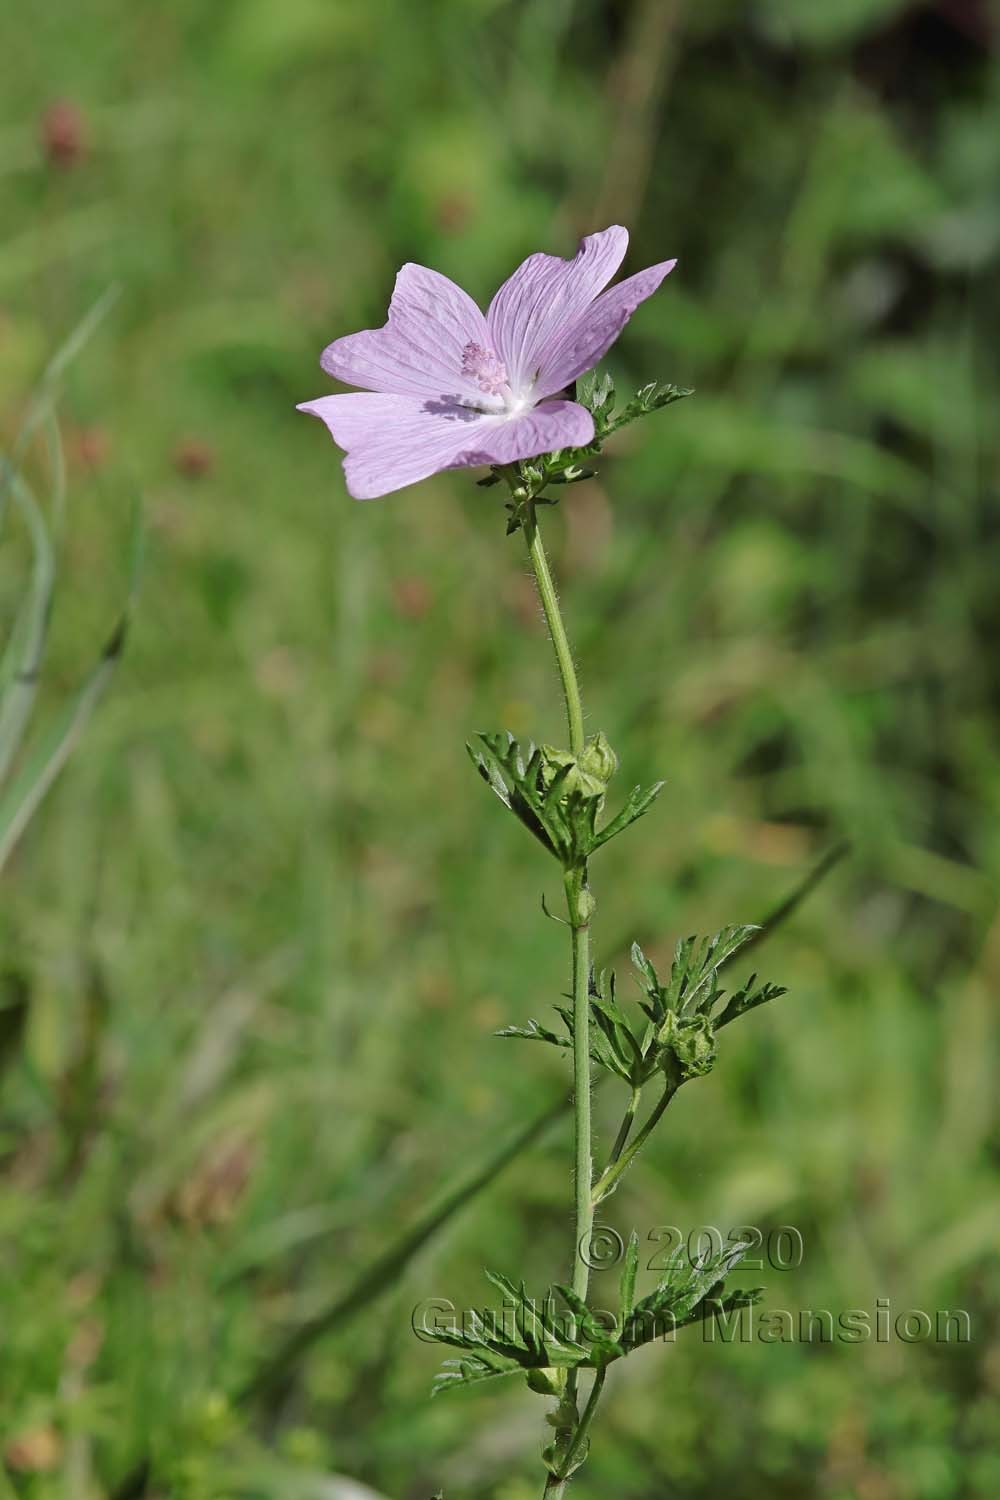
<point x="419" y="351"/>
<point x="392" y="441"/>
<point x="579" y="347"/>
<point x="550" y="425"/>
<point x="544" y="296"/>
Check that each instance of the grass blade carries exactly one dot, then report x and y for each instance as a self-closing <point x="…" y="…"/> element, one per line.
<point x="23" y="797"/>
<point x="23" y="657"/>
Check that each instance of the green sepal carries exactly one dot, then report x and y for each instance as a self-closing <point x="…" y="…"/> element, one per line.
<point x="529" y="478"/>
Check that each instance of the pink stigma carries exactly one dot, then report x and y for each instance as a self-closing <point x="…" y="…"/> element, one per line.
<point x="485" y="368"/>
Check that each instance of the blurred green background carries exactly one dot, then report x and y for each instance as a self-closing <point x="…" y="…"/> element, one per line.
<point x="262" y="932"/>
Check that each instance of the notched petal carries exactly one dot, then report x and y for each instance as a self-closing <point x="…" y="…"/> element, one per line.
<point x="420" y="351"/>
<point x="579" y="347"/>
<point x="547" y="294"/>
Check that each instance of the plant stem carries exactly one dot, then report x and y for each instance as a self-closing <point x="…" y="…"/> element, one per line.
<point x="576" y="887"/>
<point x="609" y="1178"/>
<point x="625" y="1128"/>
<point x="553" y="618"/>
<point x="578" y="905"/>
<point x="555" y="1487"/>
<point x="579" y="1437"/>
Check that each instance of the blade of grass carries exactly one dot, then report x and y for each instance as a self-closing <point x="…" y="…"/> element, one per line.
<point x="23" y="658"/>
<point x="41" y="405"/>
<point x="383" y="1273"/>
<point x="791" y="903"/>
<point x="26" y="792"/>
<point x="778" y="914"/>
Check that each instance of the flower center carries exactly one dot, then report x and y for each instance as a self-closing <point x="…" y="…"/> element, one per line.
<point x="485" y="367"/>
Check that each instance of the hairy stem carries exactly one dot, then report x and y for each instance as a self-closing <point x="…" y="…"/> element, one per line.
<point x="579" y="905"/>
<point x="580" y="1436"/>
<point x="557" y="630"/>
<point x="555" y="1486"/>
<point x="576" y="890"/>
<point x="608" y="1180"/>
<point x="625" y="1128"/>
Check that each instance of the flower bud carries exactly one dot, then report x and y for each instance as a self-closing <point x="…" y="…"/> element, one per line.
<point x="64" y="134"/>
<point x="688" y="1043"/>
<point x="588" y="774"/>
<point x="598" y="758"/>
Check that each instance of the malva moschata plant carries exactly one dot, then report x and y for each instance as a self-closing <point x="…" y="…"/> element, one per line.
<point x="445" y="386"/>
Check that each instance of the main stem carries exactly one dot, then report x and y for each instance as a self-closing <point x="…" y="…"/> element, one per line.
<point x="557" y="630"/>
<point x="578" y="905"/>
<point x="576" y="887"/>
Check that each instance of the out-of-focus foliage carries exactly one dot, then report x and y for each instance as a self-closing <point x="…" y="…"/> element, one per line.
<point x="267" y="923"/>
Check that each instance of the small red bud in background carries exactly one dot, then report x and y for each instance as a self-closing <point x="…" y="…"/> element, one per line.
<point x="412" y="597"/>
<point x="89" y="448"/>
<point x="194" y="458"/>
<point x="64" y="134"/>
<point x="454" y="212"/>
<point x="36" y="1451"/>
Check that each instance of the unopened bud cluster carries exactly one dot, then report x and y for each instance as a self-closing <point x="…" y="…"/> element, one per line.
<point x="587" y="774"/>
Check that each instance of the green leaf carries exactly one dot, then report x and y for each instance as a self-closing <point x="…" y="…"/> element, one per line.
<point x="696" y="964"/>
<point x="604" y="1348"/>
<point x="620" y="1055"/>
<point x="502" y="764"/>
<point x="630" y="1268"/>
<point x="533" y="1032"/>
<point x="473" y="1369"/>
<point x="541" y="1343"/>
<point x="639" y="802"/>
<point x="651" y="982"/>
<point x="748" y="998"/>
<point x="602" y="996"/>
<point x="679" y="1297"/>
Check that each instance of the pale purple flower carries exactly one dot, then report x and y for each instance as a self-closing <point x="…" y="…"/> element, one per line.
<point x="444" y="387"/>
